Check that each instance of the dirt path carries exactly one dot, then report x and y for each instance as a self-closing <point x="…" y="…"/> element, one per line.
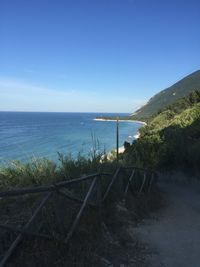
<point x="172" y="237"/>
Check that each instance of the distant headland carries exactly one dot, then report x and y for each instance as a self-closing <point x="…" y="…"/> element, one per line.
<point x="121" y="119"/>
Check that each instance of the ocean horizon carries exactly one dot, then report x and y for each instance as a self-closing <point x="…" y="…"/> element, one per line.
<point x="28" y="135"/>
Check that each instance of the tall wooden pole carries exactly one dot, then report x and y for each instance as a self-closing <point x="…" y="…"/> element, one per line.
<point x="117" y="139"/>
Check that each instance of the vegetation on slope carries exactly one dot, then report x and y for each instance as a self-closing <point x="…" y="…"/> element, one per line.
<point x="44" y="171"/>
<point x="169" y="96"/>
<point x="171" y="140"/>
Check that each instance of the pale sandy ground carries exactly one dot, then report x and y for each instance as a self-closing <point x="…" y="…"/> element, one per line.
<point x="172" y="237"/>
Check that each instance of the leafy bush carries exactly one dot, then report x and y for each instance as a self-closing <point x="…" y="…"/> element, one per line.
<point x="35" y="172"/>
<point x="44" y="171"/>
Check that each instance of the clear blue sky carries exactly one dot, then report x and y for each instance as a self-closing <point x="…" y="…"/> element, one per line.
<point x="94" y="55"/>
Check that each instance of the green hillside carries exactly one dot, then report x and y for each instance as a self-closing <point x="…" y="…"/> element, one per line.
<point x="169" y="96"/>
<point x="171" y="140"/>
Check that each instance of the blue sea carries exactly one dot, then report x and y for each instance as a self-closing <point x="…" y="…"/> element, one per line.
<point x="26" y="135"/>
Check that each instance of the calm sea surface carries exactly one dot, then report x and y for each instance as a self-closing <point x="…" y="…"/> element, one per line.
<point x="24" y="135"/>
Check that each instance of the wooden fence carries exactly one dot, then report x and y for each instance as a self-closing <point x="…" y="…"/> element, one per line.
<point x="100" y="187"/>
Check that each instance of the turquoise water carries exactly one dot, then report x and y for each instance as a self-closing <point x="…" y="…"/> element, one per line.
<point x="24" y="135"/>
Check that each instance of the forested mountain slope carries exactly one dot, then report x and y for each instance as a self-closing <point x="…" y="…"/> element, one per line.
<point x="169" y="96"/>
